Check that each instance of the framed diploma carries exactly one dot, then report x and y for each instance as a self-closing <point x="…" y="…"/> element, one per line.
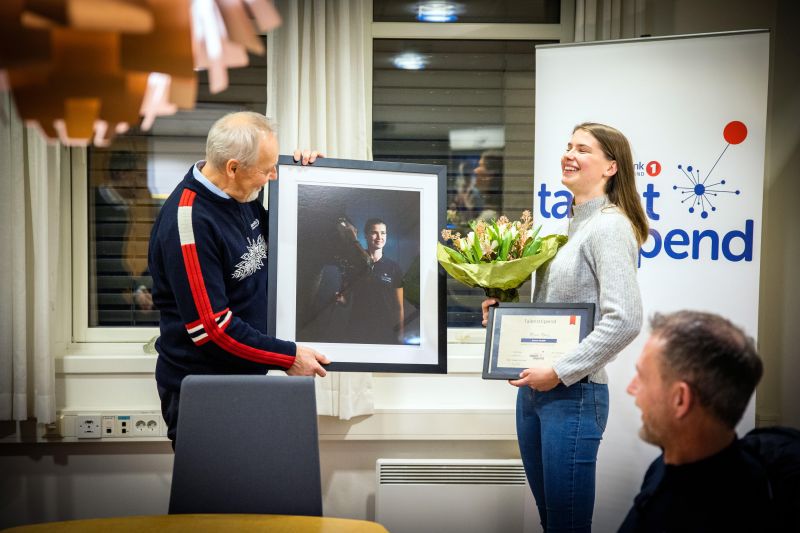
<point x="524" y="335"/>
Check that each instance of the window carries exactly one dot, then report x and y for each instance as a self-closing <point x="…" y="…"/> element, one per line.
<point x="465" y="103"/>
<point x="117" y="201"/>
<point x="474" y="98"/>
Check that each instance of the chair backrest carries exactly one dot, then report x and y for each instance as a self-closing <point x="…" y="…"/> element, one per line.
<point x="778" y="450"/>
<point x="247" y="444"/>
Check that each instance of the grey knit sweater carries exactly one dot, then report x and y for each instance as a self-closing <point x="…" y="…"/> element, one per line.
<point x="597" y="265"/>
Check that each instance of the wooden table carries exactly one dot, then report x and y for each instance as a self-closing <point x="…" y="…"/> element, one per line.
<point x="207" y="523"/>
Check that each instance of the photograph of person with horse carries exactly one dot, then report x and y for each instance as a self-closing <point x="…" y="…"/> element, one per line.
<point x="357" y="249"/>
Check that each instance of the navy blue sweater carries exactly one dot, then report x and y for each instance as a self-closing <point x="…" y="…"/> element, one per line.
<point x="726" y="492"/>
<point x="208" y="259"/>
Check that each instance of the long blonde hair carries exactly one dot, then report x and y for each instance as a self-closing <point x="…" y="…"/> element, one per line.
<point x="621" y="188"/>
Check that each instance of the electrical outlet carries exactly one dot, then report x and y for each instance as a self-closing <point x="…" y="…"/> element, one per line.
<point x="87" y="426"/>
<point x="145" y="425"/>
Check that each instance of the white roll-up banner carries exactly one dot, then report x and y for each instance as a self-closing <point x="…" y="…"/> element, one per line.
<point x="694" y="109"/>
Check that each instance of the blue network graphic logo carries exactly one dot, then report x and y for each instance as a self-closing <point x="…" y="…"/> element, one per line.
<point x="700" y="193"/>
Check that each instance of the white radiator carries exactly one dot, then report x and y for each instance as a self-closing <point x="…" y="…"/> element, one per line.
<point x="454" y="496"/>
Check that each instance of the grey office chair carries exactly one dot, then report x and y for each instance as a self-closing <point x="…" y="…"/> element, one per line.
<point x="247" y="444"/>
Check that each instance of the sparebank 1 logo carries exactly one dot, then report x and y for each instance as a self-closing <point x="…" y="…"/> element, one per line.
<point x="700" y="192"/>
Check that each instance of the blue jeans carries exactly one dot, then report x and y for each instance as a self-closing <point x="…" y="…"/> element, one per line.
<point x="559" y="433"/>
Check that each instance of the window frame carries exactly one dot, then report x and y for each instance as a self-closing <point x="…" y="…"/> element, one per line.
<point x="81" y="331"/>
<point x="466" y="343"/>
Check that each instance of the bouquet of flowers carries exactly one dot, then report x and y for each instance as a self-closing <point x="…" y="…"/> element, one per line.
<point x="497" y="255"/>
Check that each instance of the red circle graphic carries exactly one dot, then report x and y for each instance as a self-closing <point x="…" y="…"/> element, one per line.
<point x="735" y="132"/>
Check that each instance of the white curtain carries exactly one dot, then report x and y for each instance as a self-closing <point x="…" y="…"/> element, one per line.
<point x="317" y="72"/>
<point x="31" y="267"/>
<point x="601" y="20"/>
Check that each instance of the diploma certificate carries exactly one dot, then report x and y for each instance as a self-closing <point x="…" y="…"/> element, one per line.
<point x="522" y="336"/>
<point x="538" y="340"/>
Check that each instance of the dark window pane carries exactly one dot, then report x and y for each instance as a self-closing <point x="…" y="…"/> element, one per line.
<point x="508" y="11"/>
<point x="127" y="184"/>
<point x="471" y="107"/>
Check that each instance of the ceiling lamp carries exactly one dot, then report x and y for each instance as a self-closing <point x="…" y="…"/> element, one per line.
<point x="438" y="12"/>
<point x="84" y="70"/>
<point x="410" y="61"/>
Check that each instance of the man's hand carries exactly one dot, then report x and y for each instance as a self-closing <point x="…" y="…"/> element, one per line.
<point x="540" y="379"/>
<point x="485" y="305"/>
<point x="307" y="362"/>
<point x="143" y="298"/>
<point x="306" y="157"/>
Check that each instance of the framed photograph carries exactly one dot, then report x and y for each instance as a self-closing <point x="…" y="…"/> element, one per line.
<point x="525" y="335"/>
<point x="352" y="259"/>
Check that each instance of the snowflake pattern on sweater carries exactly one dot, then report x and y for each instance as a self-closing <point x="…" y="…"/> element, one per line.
<point x="252" y="259"/>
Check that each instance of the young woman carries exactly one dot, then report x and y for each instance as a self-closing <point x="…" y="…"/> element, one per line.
<point x="562" y="410"/>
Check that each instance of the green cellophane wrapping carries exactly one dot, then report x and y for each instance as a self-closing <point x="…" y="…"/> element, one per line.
<point x="500" y="279"/>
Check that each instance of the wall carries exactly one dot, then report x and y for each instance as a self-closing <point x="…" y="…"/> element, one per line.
<point x="781" y="286"/>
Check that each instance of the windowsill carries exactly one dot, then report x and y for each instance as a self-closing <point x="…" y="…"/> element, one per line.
<point x="481" y="416"/>
<point x="106" y="358"/>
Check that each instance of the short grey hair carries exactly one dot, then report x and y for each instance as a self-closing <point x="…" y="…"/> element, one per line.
<point x="716" y="358"/>
<point x="236" y="136"/>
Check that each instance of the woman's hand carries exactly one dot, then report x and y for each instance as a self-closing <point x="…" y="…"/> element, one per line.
<point x="540" y="379"/>
<point x="485" y="305"/>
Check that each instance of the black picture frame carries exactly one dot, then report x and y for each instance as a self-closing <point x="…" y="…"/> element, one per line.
<point x="541" y="311"/>
<point x="322" y="295"/>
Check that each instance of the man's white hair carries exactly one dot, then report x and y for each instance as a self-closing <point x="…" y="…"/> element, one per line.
<point x="236" y="136"/>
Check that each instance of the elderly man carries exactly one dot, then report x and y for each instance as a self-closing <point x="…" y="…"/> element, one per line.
<point x="693" y="381"/>
<point x="207" y="256"/>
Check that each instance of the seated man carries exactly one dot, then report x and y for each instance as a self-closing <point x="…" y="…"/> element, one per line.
<point x="693" y="381"/>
